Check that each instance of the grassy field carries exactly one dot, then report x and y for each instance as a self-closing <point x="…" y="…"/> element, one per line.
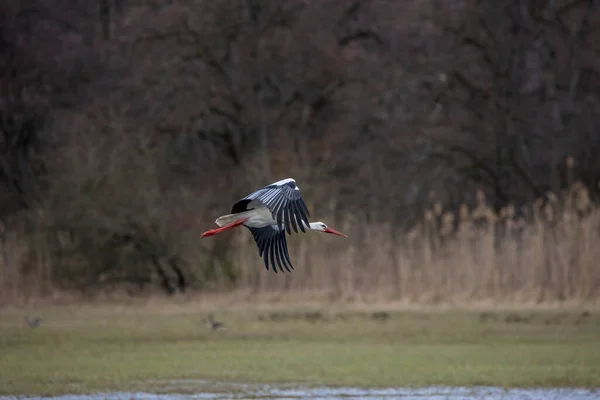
<point x="99" y="348"/>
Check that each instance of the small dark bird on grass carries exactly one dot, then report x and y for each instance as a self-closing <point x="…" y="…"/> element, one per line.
<point x="214" y="325"/>
<point x="380" y="315"/>
<point x="32" y="322"/>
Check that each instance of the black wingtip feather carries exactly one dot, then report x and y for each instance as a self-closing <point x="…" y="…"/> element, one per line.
<point x="281" y="251"/>
<point x="277" y="251"/>
<point x="272" y="252"/>
<point x="260" y="243"/>
<point x="266" y="261"/>
<point x="293" y="213"/>
<point x="287" y="218"/>
<point x="302" y="216"/>
<point x="303" y="212"/>
<point x="284" y="250"/>
<point x="266" y="254"/>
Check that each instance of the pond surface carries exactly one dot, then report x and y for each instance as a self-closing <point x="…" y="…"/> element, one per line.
<point x="251" y="391"/>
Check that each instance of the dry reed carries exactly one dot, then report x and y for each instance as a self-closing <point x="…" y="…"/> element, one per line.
<point x="544" y="252"/>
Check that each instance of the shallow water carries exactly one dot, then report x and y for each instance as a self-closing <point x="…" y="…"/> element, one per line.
<point x="252" y="391"/>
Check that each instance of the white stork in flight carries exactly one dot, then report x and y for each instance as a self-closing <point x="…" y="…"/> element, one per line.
<point x="268" y="212"/>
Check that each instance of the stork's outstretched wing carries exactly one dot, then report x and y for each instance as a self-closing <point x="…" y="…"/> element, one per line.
<point x="285" y="202"/>
<point x="272" y="245"/>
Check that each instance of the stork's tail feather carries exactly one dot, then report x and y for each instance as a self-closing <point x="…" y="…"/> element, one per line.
<point x="229" y="218"/>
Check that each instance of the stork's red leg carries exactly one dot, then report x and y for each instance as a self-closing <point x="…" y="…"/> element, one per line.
<point x="212" y="232"/>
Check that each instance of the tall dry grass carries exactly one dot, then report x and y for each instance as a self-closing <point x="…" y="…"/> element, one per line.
<point x="544" y="252"/>
<point x="547" y="251"/>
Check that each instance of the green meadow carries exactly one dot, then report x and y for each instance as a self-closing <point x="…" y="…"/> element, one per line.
<point x="103" y="348"/>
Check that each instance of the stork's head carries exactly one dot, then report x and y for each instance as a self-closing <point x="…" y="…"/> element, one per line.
<point x="321" y="227"/>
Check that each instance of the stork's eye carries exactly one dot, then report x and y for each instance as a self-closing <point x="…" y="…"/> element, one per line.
<point x="323" y="226"/>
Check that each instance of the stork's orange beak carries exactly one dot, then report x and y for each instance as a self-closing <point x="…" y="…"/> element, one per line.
<point x="333" y="231"/>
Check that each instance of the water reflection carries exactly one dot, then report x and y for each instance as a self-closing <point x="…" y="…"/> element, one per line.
<point x="248" y="391"/>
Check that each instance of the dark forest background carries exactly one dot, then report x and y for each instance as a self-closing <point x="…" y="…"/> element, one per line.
<point x="455" y="142"/>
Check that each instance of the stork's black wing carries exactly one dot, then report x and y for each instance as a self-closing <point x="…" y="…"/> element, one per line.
<point x="284" y="200"/>
<point x="272" y="245"/>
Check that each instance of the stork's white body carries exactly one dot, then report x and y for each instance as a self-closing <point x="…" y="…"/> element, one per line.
<point x="257" y="218"/>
